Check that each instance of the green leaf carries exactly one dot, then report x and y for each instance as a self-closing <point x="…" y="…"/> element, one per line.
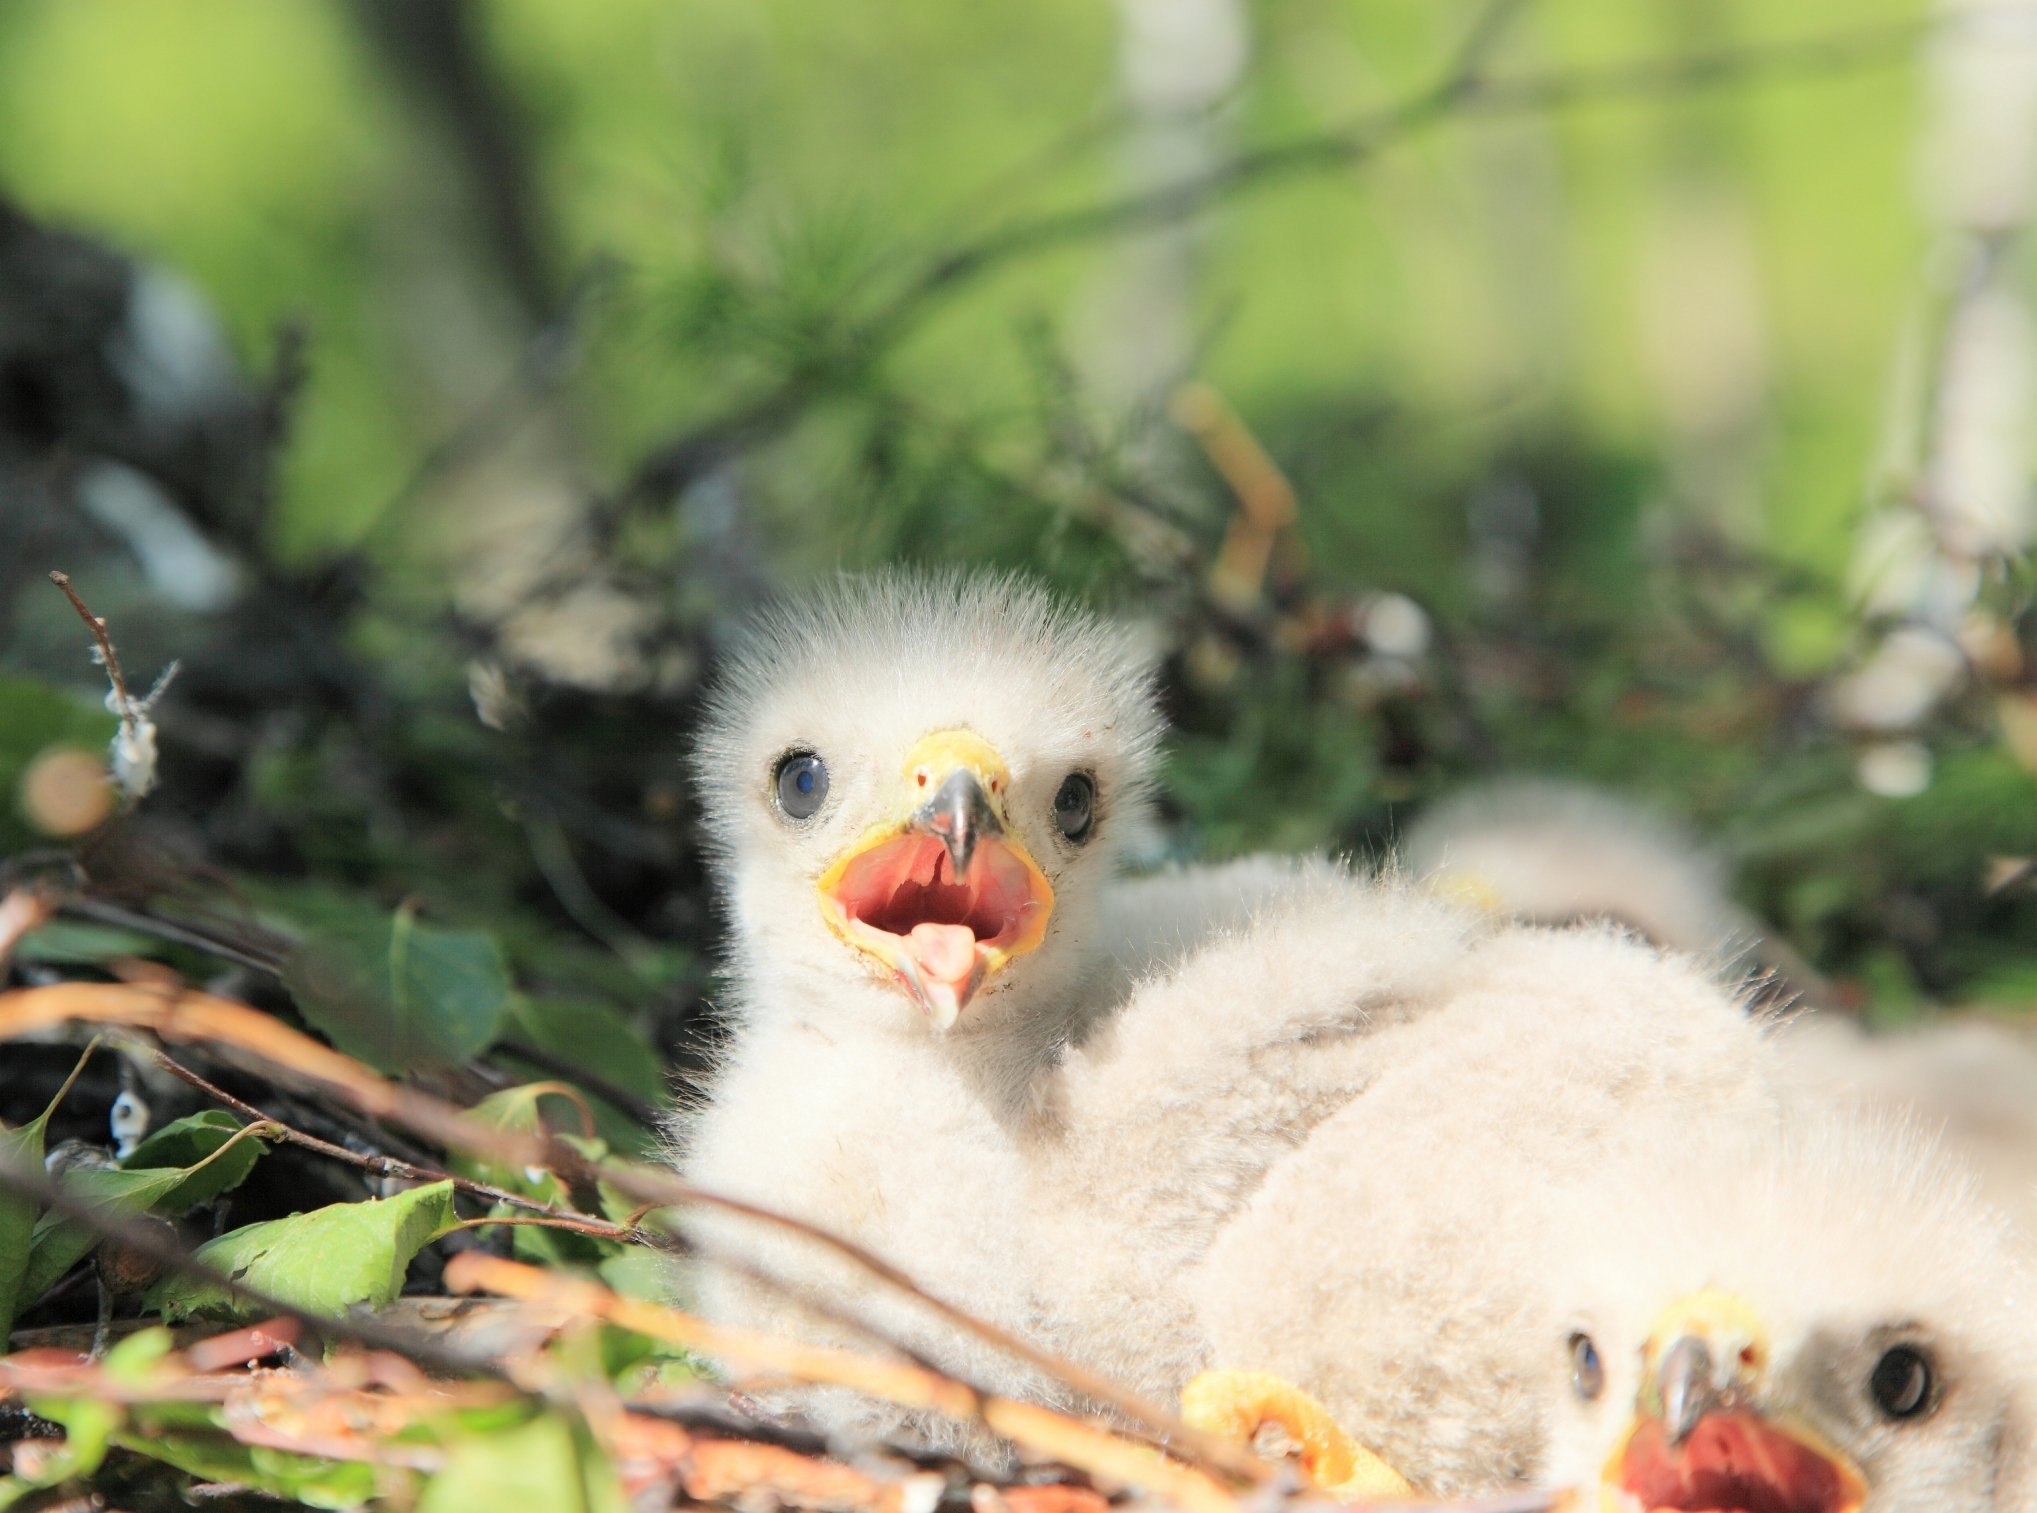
<point x="325" y="1261"/>
<point x="521" y="1108"/>
<point x="189" y="1141"/>
<point x="134" y="1360"/>
<point x="597" y="1040"/>
<point x="549" y="1462"/>
<point x="394" y="991"/>
<point x="59" y="1243"/>
<point x="20" y="1150"/>
<point x="145" y="1182"/>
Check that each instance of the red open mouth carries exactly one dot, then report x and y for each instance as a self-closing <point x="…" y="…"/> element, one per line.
<point x="900" y="900"/>
<point x="1734" y="1463"/>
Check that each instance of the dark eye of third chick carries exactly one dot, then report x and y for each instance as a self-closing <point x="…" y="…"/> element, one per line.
<point x="1075" y="806"/>
<point x="1587" y="1374"/>
<point x="802" y="783"/>
<point x="1901" y="1383"/>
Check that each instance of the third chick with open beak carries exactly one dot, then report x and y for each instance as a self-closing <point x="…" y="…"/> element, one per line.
<point x="1819" y="1316"/>
<point x="1701" y="1439"/>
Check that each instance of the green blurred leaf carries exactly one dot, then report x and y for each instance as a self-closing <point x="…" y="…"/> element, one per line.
<point x="519" y="1108"/>
<point x="325" y="1261"/>
<point x="590" y="1035"/>
<point x="63" y="941"/>
<point x="22" y="1149"/>
<point x="549" y="1462"/>
<point x="213" y="1457"/>
<point x="133" y="1360"/>
<point x="395" y="991"/>
<point x="33" y="718"/>
<point x="88" y="1429"/>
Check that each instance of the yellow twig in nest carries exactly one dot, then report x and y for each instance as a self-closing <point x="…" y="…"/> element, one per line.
<point x="1040" y="1430"/>
<point x="1267" y="508"/>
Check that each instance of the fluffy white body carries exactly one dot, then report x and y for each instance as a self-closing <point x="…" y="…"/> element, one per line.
<point x="1391" y="1267"/>
<point x="1267" y="1116"/>
<point x="1879" y="1300"/>
<point x="1157" y="1130"/>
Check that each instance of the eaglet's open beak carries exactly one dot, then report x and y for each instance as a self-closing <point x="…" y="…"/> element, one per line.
<point x="1701" y="1441"/>
<point x="943" y="895"/>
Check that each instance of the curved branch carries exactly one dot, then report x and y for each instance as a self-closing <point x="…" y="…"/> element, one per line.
<point x="1462" y="89"/>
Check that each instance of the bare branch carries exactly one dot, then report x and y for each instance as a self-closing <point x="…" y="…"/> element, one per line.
<point x="1462" y="89"/>
<point x="97" y="625"/>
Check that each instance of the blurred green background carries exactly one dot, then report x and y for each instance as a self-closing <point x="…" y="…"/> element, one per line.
<point x="1585" y="377"/>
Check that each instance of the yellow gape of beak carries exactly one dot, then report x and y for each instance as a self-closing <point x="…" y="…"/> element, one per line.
<point x="942" y="895"/>
<point x="1703" y="1435"/>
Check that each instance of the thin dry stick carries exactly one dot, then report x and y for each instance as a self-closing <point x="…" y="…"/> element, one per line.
<point x="599" y="1228"/>
<point x="1041" y="1430"/>
<point x="187" y="1015"/>
<point x="97" y="625"/>
<point x="391" y="1166"/>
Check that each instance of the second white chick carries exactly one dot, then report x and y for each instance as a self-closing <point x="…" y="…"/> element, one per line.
<point x="1975" y="1078"/>
<point x="1550" y="852"/>
<point x="1387" y="1267"/>
<point x="1545" y="850"/>
<point x="1821" y="1319"/>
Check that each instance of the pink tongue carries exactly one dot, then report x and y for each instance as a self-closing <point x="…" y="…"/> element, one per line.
<point x="946" y="958"/>
<point x="946" y="953"/>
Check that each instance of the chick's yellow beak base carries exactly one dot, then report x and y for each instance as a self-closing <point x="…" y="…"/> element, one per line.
<point x="942" y="896"/>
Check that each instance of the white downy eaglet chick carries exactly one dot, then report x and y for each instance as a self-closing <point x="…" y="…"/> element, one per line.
<point x="1825" y="1322"/>
<point x="916" y="787"/>
<point x="1389" y="1266"/>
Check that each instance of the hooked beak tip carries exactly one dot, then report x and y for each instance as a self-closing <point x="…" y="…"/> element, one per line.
<point x="1688" y="1393"/>
<point x="961" y="849"/>
<point x="958" y="815"/>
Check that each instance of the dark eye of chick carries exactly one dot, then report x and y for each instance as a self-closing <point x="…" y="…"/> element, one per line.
<point x="1587" y="1374"/>
<point x="1901" y="1383"/>
<point x="1075" y="806"/>
<point x="801" y="781"/>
